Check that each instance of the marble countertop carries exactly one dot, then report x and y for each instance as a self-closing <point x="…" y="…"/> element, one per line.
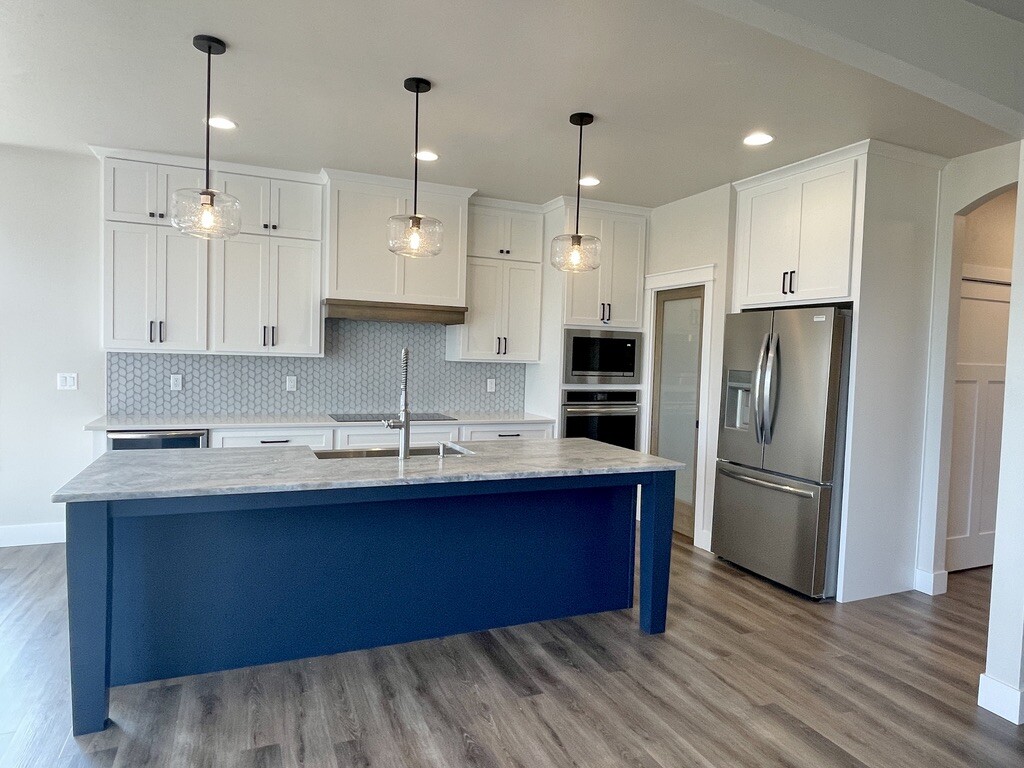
<point x="270" y="421"/>
<point x="120" y="475"/>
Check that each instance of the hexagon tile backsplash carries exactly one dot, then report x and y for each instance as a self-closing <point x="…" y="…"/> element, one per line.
<point x="359" y="372"/>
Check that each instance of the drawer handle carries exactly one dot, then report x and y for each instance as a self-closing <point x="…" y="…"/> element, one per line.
<point x="273" y="442"/>
<point x="509" y="434"/>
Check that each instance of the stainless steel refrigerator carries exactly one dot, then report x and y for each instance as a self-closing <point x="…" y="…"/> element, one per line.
<point x="780" y="445"/>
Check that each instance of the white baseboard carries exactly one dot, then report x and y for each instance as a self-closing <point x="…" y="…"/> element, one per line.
<point x="1002" y="699"/>
<point x="930" y="583"/>
<point x="31" y="533"/>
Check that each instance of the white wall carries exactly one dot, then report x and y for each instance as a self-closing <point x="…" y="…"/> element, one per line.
<point x="691" y="234"/>
<point x="50" y="289"/>
<point x="963" y="182"/>
<point x="1002" y="685"/>
<point x="987" y="232"/>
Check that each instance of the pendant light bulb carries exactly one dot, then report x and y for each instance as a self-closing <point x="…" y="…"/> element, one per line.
<point x="576" y="253"/>
<point x="415" y="236"/>
<point x="205" y="212"/>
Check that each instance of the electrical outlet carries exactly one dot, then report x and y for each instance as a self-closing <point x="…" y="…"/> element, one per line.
<point x="175" y="382"/>
<point x="290" y="383"/>
<point x="67" y="381"/>
<point x="490" y="385"/>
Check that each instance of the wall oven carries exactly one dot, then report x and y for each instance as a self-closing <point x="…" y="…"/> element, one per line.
<point x="601" y="357"/>
<point x="607" y="416"/>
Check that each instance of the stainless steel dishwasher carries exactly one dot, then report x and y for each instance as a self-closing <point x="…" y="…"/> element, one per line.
<point x="125" y="440"/>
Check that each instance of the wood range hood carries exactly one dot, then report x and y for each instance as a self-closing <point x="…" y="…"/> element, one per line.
<point x="393" y="312"/>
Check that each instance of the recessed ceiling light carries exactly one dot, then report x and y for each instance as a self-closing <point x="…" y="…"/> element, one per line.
<point x="224" y="123"/>
<point x="758" y="139"/>
<point x="590" y="181"/>
<point x="426" y="156"/>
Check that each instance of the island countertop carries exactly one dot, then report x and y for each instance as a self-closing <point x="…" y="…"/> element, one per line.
<point x="121" y="475"/>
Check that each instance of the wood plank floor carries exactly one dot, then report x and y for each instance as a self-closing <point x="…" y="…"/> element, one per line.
<point x="747" y="675"/>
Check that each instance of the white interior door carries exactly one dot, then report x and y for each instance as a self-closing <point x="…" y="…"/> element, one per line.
<point x="977" y="424"/>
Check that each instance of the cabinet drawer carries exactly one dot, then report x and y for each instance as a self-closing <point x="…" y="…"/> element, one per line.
<point x="382" y="437"/>
<point x="251" y="438"/>
<point x="506" y="431"/>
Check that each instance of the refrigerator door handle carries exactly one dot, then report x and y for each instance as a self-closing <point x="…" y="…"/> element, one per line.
<point x="758" y="385"/>
<point x="770" y="393"/>
<point x="801" y="492"/>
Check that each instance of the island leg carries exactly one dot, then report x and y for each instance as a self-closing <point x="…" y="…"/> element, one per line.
<point x="88" y="569"/>
<point x="657" y="507"/>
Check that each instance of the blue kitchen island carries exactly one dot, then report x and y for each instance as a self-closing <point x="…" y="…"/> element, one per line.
<point x="181" y="562"/>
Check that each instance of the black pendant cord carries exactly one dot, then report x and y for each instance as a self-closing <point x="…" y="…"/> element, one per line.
<point x="209" y="67"/>
<point x="415" y="157"/>
<point x="579" y="175"/>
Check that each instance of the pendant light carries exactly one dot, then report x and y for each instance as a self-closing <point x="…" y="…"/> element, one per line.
<point x="205" y="212"/>
<point x="412" y="234"/>
<point x="577" y="253"/>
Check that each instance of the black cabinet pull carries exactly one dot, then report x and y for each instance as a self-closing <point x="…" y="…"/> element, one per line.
<point x="509" y="434"/>
<point x="152" y="214"/>
<point x="784" y="276"/>
<point x="160" y="215"/>
<point x="506" y="345"/>
<point x="273" y="335"/>
<point x="792" y="275"/>
<point x="264" y="335"/>
<point x="160" y="333"/>
<point x="609" y="311"/>
<point x="151" y="324"/>
<point x="273" y="442"/>
<point x="498" y="350"/>
<point x="602" y="311"/>
<point x="273" y="226"/>
<point x="266" y="226"/>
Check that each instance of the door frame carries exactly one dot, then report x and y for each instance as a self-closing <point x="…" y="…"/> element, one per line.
<point x="708" y="394"/>
<point x="659" y="298"/>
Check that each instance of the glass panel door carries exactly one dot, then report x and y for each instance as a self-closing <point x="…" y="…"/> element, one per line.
<point x="677" y="358"/>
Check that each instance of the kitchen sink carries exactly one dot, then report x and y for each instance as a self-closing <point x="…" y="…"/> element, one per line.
<point x="441" y="450"/>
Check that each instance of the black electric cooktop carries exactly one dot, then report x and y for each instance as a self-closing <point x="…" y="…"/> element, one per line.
<point x="392" y="415"/>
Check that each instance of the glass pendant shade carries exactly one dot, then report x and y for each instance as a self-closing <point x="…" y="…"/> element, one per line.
<point x="575" y="253"/>
<point x="206" y="213"/>
<point x="418" y="237"/>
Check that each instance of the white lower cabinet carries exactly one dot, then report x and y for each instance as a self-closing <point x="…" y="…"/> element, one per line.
<point x="266" y="296"/>
<point x="251" y="438"/>
<point x="379" y="436"/>
<point x="503" y="322"/>
<point x="505" y="432"/>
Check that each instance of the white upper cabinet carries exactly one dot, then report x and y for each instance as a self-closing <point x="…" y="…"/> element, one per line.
<point x="253" y="193"/>
<point x="141" y="192"/>
<point x="503" y="322"/>
<point x="361" y="267"/>
<point x="265" y="297"/>
<point x="275" y="207"/>
<point x="795" y="236"/>
<point x="155" y="289"/>
<point x="611" y="295"/>
<point x="498" y="232"/>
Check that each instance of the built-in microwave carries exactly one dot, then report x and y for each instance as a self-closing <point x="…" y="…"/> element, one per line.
<point x="601" y="357"/>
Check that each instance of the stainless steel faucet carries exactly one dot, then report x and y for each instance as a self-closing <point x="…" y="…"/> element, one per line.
<point x="403" y="422"/>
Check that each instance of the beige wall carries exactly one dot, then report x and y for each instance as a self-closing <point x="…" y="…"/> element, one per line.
<point x="50" y="293"/>
<point x="987" y="232"/>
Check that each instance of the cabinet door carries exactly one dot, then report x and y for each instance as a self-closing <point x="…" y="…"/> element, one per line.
<point x="622" y="273"/>
<point x="440" y="279"/>
<point x="170" y="179"/>
<point x="525" y="240"/>
<point x="240" y="301"/>
<point x="296" y="209"/>
<point x="827" y="198"/>
<point x="484" y="320"/>
<point x="129" y="191"/>
<point x="487" y="237"/>
<point x="129" y="286"/>
<point x="181" y="291"/>
<point x="766" y="241"/>
<point x="583" y="297"/>
<point x="521" y="283"/>
<point x="362" y="267"/>
<point x="253" y="193"/>
<point x="295" y="317"/>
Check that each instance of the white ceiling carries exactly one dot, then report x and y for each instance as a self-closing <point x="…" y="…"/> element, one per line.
<point x="316" y="83"/>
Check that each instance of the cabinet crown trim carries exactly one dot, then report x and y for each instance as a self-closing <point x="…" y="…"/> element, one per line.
<point x="180" y="161"/>
<point x="335" y="175"/>
<point x="595" y="205"/>
<point x="505" y="205"/>
<point x="860" y="149"/>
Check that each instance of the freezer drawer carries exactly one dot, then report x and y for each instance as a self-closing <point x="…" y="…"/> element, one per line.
<point x="774" y="526"/>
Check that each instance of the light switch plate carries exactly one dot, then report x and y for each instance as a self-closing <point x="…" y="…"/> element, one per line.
<point x="175" y="382"/>
<point x="490" y="385"/>
<point x="67" y="381"/>
<point x="290" y="383"/>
